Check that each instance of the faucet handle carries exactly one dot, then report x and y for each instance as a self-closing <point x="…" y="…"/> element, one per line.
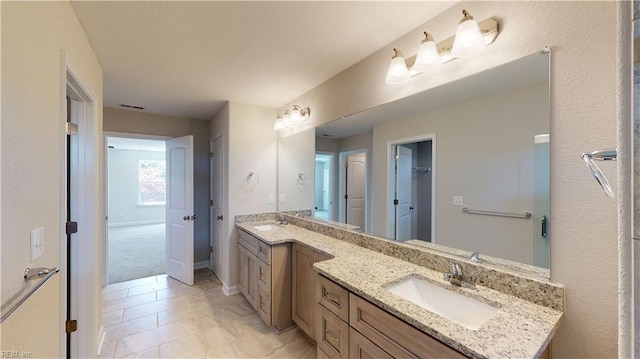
<point x="456" y="270"/>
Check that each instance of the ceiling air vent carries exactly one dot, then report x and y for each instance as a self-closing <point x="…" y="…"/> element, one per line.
<point x="132" y="107"/>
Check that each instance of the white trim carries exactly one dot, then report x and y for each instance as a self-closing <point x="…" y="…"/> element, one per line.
<point x="134" y="135"/>
<point x="391" y="181"/>
<point x="136" y="223"/>
<point x="101" y="335"/>
<point x="201" y="265"/>
<point x="85" y="204"/>
<point x="229" y="290"/>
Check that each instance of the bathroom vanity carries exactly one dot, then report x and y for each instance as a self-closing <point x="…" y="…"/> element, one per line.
<point x="342" y="282"/>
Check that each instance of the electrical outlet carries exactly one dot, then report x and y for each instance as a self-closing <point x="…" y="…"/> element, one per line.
<point x="281" y="198"/>
<point x="271" y="199"/>
<point x="37" y="243"/>
<point x="457" y="201"/>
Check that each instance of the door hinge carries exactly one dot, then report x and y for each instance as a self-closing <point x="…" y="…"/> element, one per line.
<point x="346" y="196"/>
<point x="210" y="154"/>
<point x="210" y="249"/>
<point x="211" y="202"/>
<point x="395" y="202"/>
<point x="71" y="227"/>
<point x="70" y="128"/>
<point x="71" y="326"/>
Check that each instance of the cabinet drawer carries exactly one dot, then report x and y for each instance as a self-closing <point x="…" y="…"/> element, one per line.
<point x="363" y="348"/>
<point x="264" y="277"/>
<point x="332" y="333"/>
<point x="248" y="241"/>
<point x="333" y="297"/>
<point x="263" y="306"/>
<point x="393" y="335"/>
<point x="264" y="252"/>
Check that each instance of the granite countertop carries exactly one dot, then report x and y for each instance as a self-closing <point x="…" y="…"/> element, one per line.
<point x="520" y="329"/>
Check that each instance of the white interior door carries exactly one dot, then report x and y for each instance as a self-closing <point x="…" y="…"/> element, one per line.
<point x="217" y="224"/>
<point x="180" y="216"/>
<point x="403" y="193"/>
<point x="355" y="189"/>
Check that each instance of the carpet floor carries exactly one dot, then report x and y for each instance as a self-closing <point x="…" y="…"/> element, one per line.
<point x="136" y="252"/>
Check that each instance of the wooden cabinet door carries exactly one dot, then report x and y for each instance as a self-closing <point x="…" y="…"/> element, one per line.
<point x="252" y="280"/>
<point x="243" y="270"/>
<point x="302" y="308"/>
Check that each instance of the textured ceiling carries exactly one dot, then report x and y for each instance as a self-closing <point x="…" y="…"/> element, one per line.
<point x="186" y="58"/>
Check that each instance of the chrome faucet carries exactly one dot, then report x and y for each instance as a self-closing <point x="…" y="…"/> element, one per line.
<point x="475" y="257"/>
<point x="280" y="218"/>
<point x="455" y="276"/>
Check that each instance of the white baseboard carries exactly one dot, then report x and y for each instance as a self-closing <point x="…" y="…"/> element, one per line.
<point x="229" y="290"/>
<point x="136" y="223"/>
<point x="101" y="335"/>
<point x="200" y="265"/>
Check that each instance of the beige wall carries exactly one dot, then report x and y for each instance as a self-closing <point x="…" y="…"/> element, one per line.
<point x="250" y="144"/>
<point x="116" y="120"/>
<point x="33" y="33"/>
<point x="583" y="118"/>
<point x="484" y="152"/>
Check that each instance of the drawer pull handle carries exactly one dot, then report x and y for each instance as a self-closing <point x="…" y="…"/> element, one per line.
<point x="261" y="250"/>
<point x="334" y="298"/>
<point x="328" y="335"/>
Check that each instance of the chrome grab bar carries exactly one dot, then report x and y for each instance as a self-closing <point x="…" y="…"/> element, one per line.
<point x="604" y="155"/>
<point x="525" y="215"/>
<point x="42" y="274"/>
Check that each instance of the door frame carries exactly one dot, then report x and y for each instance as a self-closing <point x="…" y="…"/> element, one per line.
<point x="105" y="147"/>
<point x="86" y="197"/>
<point x="332" y="186"/>
<point x="212" y="221"/>
<point x="391" y="181"/>
<point x="342" y="173"/>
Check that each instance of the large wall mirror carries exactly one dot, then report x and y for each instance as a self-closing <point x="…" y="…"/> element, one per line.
<point x="463" y="167"/>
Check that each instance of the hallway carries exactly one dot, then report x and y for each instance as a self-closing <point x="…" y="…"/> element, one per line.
<point x="159" y="317"/>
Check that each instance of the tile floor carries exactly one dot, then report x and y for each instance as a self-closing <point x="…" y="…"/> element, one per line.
<point x="159" y="317"/>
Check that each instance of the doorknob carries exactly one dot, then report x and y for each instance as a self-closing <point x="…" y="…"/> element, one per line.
<point x="219" y="218"/>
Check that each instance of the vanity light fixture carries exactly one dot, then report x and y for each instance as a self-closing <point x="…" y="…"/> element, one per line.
<point x="465" y="42"/>
<point x="468" y="37"/>
<point x="292" y="118"/>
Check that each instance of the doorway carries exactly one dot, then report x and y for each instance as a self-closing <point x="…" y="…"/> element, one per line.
<point x="136" y="212"/>
<point x="324" y="185"/>
<point x="411" y="189"/>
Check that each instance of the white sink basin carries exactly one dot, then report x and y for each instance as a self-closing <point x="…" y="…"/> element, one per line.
<point x="458" y="308"/>
<point x="266" y="227"/>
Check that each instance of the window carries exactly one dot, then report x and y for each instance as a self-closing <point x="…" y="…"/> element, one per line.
<point x="152" y="182"/>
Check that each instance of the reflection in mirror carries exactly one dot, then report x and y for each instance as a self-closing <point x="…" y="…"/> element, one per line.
<point x="296" y="171"/>
<point x="462" y="166"/>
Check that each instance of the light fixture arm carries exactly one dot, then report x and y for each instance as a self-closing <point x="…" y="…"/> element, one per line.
<point x="465" y="16"/>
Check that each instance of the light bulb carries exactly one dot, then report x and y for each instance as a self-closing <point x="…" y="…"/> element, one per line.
<point x="279" y="126"/>
<point x="398" y="71"/>
<point x="428" y="57"/>
<point x="296" y="114"/>
<point x="286" y="119"/>
<point x="468" y="37"/>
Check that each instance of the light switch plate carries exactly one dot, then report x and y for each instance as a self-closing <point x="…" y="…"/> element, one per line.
<point x="457" y="201"/>
<point x="281" y="198"/>
<point x="37" y="243"/>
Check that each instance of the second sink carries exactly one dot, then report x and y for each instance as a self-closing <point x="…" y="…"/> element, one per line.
<point x="461" y="309"/>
